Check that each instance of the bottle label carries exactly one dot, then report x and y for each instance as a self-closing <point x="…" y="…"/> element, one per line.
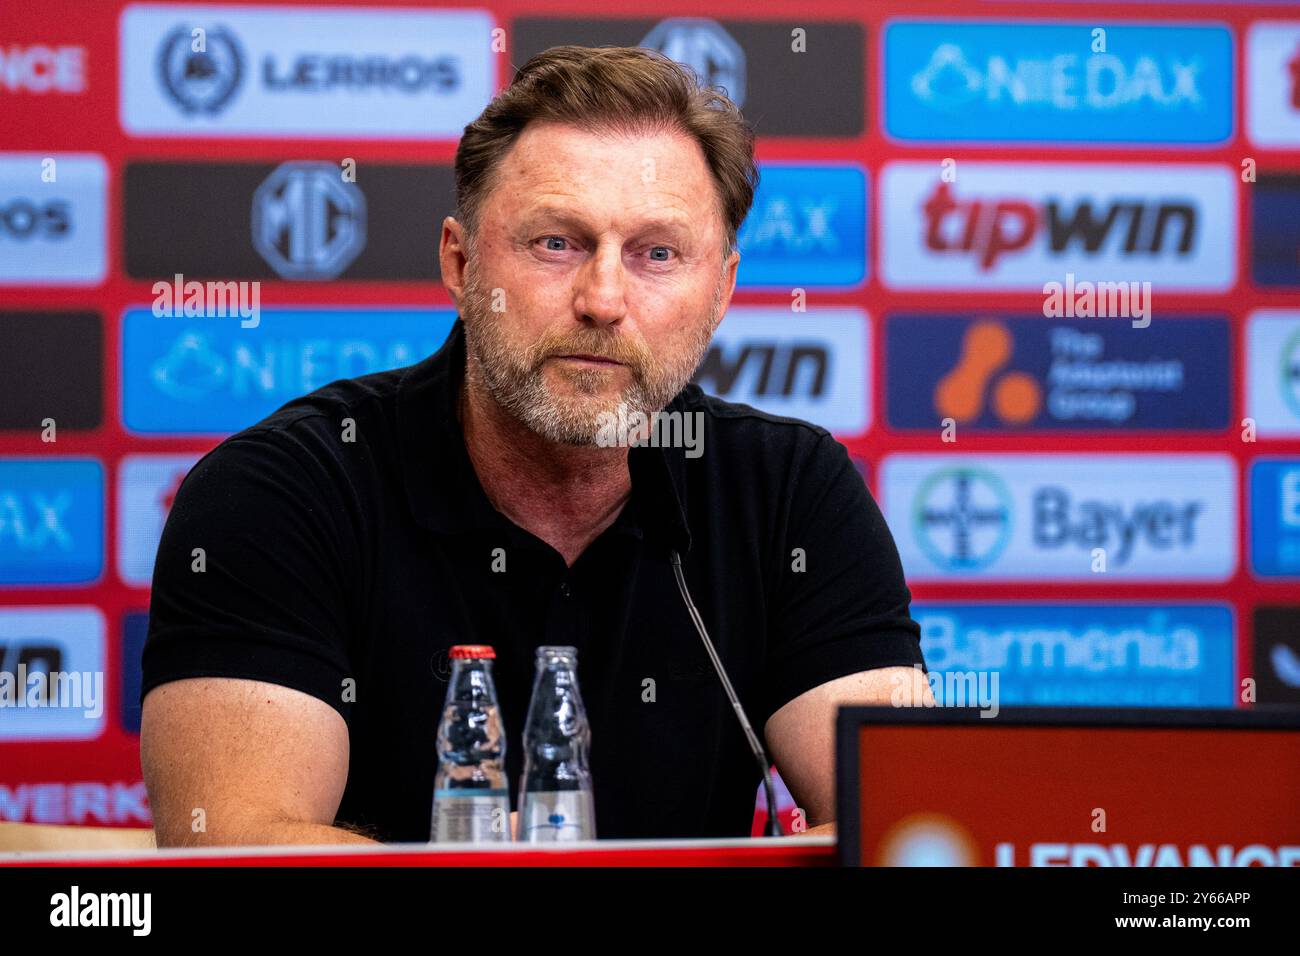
<point x="478" y="816"/>
<point x="552" y="816"/>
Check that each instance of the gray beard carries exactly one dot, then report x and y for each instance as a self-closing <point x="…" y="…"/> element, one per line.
<point x="516" y="383"/>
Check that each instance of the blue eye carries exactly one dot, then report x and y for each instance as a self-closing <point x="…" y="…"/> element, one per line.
<point x="655" y="249"/>
<point x="554" y="239"/>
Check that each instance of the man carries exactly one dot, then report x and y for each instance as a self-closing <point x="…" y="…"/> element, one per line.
<point x="316" y="568"/>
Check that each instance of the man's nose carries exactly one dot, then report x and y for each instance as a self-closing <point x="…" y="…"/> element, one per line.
<point x="600" y="288"/>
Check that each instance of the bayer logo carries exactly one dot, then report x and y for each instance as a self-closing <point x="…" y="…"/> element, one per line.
<point x="961" y="517"/>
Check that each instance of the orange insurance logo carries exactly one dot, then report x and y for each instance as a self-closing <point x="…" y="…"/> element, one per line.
<point x="1015" y="396"/>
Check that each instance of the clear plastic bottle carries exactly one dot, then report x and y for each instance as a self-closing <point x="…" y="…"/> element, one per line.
<point x="471" y="795"/>
<point x="555" y="795"/>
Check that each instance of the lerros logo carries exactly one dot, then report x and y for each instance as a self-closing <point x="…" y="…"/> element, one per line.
<point x="279" y="71"/>
<point x="200" y="69"/>
<point x="23" y="218"/>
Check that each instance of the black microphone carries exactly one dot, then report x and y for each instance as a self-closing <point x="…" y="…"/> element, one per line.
<point x="773" y="824"/>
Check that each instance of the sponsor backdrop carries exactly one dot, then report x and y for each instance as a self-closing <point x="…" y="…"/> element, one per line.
<point x="1037" y="266"/>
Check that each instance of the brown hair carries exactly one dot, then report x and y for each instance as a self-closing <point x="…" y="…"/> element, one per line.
<point x="624" y="89"/>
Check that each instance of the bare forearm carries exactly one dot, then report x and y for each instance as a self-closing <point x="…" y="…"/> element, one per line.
<point x="267" y="833"/>
<point x="824" y="829"/>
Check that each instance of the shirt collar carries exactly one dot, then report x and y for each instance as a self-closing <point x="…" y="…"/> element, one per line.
<point x="444" y="491"/>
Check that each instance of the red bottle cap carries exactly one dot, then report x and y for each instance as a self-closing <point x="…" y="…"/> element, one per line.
<point x="463" y="652"/>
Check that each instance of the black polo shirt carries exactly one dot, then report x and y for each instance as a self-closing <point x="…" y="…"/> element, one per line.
<point x="346" y="569"/>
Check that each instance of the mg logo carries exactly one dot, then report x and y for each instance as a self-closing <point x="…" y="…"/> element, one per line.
<point x="204" y="80"/>
<point x="307" y="222"/>
<point x="707" y="48"/>
<point x="962" y="518"/>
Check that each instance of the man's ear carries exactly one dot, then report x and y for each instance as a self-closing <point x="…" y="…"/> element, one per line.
<point x="729" y="271"/>
<point x="452" y="257"/>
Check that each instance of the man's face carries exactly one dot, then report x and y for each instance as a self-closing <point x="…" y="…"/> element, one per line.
<point x="596" y="276"/>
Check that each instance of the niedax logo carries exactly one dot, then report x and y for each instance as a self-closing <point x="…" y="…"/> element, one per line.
<point x="706" y="47"/>
<point x="1062" y="517"/>
<point x="201" y="376"/>
<point x="964" y="81"/>
<point x="51" y="520"/>
<point x="1014" y="226"/>
<point x="200" y="69"/>
<point x="962" y="517"/>
<point x="307" y="222"/>
<point x="318" y="72"/>
<point x="807" y="227"/>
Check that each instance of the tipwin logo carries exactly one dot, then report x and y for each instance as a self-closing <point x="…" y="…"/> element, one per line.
<point x="988" y="229"/>
<point x="1273" y="83"/>
<point x="1294" y="67"/>
<point x="1008" y="226"/>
